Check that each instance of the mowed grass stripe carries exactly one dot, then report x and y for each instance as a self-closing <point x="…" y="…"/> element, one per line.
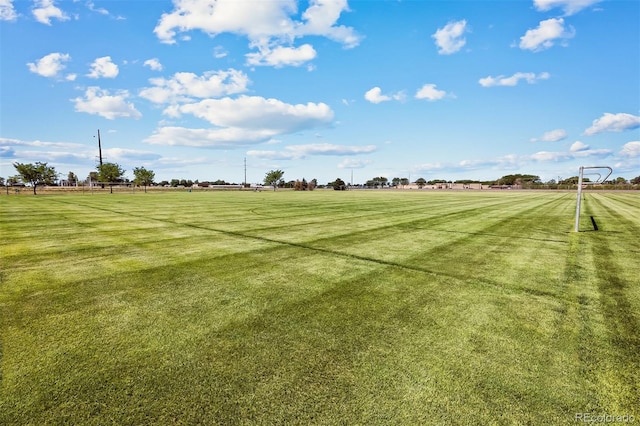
<point x="619" y="287"/>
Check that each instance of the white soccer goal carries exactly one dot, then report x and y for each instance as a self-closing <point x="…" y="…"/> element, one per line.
<point x="581" y="183"/>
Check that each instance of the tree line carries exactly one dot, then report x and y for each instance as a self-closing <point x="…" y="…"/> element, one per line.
<point x="40" y="174"/>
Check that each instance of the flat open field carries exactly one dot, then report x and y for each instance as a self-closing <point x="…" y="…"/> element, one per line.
<point x="358" y="307"/>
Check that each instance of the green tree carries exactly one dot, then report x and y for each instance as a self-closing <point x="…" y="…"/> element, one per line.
<point x="421" y="182"/>
<point x="143" y="177"/>
<point x="273" y="177"/>
<point x="339" y="185"/>
<point x="635" y="180"/>
<point x="110" y="173"/>
<point x="404" y="181"/>
<point x="620" y="181"/>
<point x="36" y="174"/>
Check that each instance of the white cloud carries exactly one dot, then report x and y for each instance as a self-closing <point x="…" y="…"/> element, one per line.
<point x="219" y="52"/>
<point x="255" y="112"/>
<point x="38" y="143"/>
<point x="577" y="150"/>
<point x="429" y="92"/>
<point x="208" y="138"/>
<point x="100" y="102"/>
<point x="45" y="10"/>
<point x="100" y="10"/>
<point x="330" y="149"/>
<point x="7" y="12"/>
<point x="631" y="149"/>
<point x="449" y="38"/>
<point x="570" y="7"/>
<point x="243" y="120"/>
<point x="49" y="65"/>
<point x="613" y="123"/>
<point x="545" y="35"/>
<point x="103" y="67"/>
<point x="294" y="152"/>
<point x="124" y="154"/>
<point x="321" y="17"/>
<point x="375" y="96"/>
<point x="578" y="146"/>
<point x="185" y="86"/>
<point x="550" y="156"/>
<point x="154" y="64"/>
<point x="264" y="23"/>
<point x="554" y="135"/>
<point x="280" y="56"/>
<point x="513" y="80"/>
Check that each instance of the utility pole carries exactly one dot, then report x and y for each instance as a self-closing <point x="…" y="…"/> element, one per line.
<point x="99" y="148"/>
<point x="245" y="173"/>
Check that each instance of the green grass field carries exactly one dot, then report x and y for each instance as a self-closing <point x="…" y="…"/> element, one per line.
<point x="324" y="307"/>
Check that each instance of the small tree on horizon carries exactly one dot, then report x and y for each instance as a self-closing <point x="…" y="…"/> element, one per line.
<point x="36" y="174"/>
<point x="143" y="177"/>
<point x="110" y="172"/>
<point x="273" y="177"/>
<point x="339" y="185"/>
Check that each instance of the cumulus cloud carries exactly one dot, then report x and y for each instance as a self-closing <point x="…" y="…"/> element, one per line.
<point x="103" y="67"/>
<point x="264" y="23"/>
<point x="613" y="123"/>
<point x="547" y="33"/>
<point x="569" y="7"/>
<point x="243" y="120"/>
<point x="255" y="112"/>
<point x="99" y="102"/>
<point x="7" y="12"/>
<point x="578" y="146"/>
<point x="186" y="86"/>
<point x="280" y="56"/>
<point x="449" y="38"/>
<point x="154" y="64"/>
<point x="513" y="80"/>
<point x="45" y="10"/>
<point x="631" y="149"/>
<point x="375" y="96"/>
<point x="429" y="92"/>
<point x="49" y="65"/>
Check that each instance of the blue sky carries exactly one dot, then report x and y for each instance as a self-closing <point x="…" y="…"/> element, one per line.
<point x="322" y="89"/>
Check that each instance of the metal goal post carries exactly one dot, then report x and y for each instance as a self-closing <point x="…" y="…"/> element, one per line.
<point x="598" y="180"/>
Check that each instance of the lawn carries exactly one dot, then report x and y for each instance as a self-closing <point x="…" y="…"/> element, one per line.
<point x="323" y="307"/>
